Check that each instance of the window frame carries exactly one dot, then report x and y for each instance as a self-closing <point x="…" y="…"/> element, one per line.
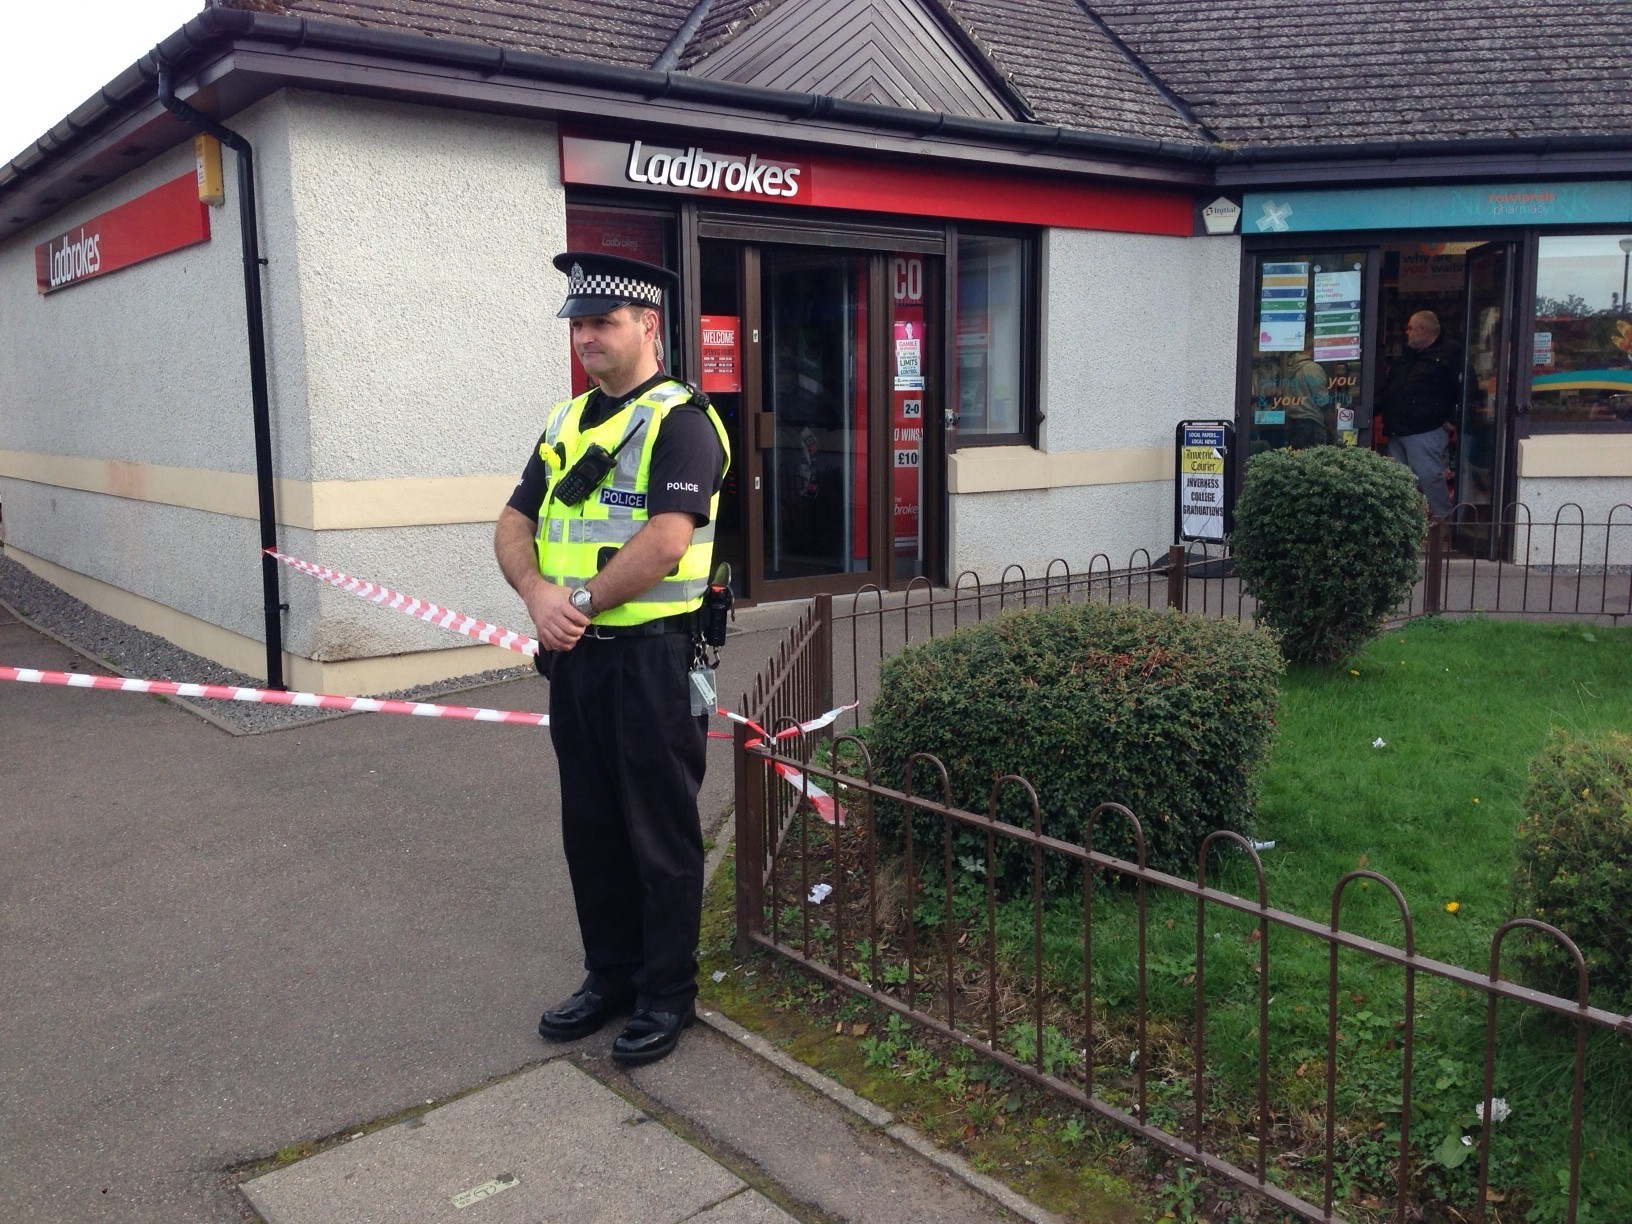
<point x="1030" y="339"/>
<point x="1525" y="339"/>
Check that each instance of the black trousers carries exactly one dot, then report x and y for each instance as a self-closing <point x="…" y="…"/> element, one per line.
<point x="632" y="756"/>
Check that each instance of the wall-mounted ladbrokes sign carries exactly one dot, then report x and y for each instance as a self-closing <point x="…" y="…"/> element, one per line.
<point x="693" y="170"/>
<point x="169" y="217"/>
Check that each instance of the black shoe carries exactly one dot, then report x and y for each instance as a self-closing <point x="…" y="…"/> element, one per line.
<point x="580" y="1015"/>
<point x="650" y="1035"/>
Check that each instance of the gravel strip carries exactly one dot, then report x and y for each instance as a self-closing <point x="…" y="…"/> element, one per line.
<point x="130" y="651"/>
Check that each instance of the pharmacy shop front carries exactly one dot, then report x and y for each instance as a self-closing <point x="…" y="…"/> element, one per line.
<point x="854" y="323"/>
<point x="1529" y="283"/>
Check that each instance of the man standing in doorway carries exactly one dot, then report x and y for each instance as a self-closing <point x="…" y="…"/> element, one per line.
<point x="608" y="539"/>
<point x="1418" y="403"/>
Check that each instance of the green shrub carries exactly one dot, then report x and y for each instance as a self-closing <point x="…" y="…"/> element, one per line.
<point x="1327" y="542"/>
<point x="1168" y="714"/>
<point x="1575" y="866"/>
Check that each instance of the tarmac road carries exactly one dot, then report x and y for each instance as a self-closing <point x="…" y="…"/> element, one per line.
<point x="214" y="945"/>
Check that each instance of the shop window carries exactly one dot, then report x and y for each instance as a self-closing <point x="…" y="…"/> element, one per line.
<point x="995" y="315"/>
<point x="633" y="234"/>
<point x="1582" y="359"/>
<point x="1307" y="308"/>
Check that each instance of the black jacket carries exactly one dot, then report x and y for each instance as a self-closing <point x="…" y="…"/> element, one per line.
<point x="1420" y="393"/>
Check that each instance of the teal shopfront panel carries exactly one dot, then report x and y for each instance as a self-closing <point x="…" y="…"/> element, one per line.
<point x="1461" y="207"/>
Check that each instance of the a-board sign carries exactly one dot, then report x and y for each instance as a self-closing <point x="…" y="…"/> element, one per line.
<point x="1204" y="499"/>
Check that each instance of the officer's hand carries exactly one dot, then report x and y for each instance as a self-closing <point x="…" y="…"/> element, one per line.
<point x="559" y="625"/>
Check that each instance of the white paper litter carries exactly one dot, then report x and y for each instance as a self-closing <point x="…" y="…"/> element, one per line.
<point x="819" y="893"/>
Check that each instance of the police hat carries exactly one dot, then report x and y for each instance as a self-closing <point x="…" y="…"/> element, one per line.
<point x="598" y="284"/>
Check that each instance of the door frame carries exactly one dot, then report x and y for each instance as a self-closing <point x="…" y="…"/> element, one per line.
<point x="1496" y="539"/>
<point x="750" y="234"/>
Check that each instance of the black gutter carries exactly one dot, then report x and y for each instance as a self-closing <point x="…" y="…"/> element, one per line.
<point x="249" y="236"/>
<point x="671" y="54"/>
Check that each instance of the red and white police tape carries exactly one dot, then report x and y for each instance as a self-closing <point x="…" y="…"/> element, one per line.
<point x="474" y="627"/>
<point x="443" y="618"/>
<point x="227" y="692"/>
<point x="419" y="609"/>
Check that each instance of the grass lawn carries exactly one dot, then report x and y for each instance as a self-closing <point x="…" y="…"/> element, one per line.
<point x="1461" y="706"/>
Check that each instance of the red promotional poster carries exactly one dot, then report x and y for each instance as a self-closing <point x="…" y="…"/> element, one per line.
<point x="722" y="353"/>
<point x="166" y="219"/>
<point x="907" y="400"/>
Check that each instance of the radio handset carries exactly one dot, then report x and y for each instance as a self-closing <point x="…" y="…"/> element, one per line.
<point x="593" y="466"/>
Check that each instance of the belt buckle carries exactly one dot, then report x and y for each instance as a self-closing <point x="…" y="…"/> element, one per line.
<point x="595" y="631"/>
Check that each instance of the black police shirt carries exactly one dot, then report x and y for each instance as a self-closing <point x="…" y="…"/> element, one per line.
<point x="686" y="460"/>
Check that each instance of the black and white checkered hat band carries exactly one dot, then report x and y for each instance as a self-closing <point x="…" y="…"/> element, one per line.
<point x="625" y="288"/>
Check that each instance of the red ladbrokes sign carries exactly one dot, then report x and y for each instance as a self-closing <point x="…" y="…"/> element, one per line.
<point x="165" y="219"/>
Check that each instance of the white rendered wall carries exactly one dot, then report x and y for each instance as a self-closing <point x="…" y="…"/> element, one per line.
<point x="423" y="240"/>
<point x="1575" y="520"/>
<point x="410" y="332"/>
<point x="145" y="366"/>
<point x="1139" y="333"/>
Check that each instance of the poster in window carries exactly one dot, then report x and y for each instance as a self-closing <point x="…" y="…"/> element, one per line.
<point x="1283" y="308"/>
<point x="722" y="341"/>
<point x="1337" y="316"/>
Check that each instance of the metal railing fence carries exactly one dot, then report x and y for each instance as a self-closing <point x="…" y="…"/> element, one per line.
<point x="832" y="655"/>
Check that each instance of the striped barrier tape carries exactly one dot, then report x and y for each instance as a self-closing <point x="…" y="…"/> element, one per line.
<point x="316" y="701"/>
<point x="497" y="635"/>
<point x="419" y="609"/>
<point x="826" y="807"/>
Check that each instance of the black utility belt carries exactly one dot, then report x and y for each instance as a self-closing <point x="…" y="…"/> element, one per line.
<point x="682" y="622"/>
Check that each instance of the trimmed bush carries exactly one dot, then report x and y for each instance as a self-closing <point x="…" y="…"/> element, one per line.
<point x="1168" y="714"/>
<point x="1327" y="539"/>
<point x="1575" y="866"/>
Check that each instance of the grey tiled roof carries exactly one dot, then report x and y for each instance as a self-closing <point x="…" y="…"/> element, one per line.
<point x="627" y="33"/>
<point x="1337" y="71"/>
<point x="1248" y="72"/>
<point x="1066" y="68"/>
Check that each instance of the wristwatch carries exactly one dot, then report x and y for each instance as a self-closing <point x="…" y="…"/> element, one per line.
<point x="583" y="601"/>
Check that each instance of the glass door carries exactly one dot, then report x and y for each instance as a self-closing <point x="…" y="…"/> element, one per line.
<point x="1481" y="458"/>
<point x="1307" y="308"/>
<point x="813" y="419"/>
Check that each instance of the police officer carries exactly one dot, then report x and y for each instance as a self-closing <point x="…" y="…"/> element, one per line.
<point x="608" y="539"/>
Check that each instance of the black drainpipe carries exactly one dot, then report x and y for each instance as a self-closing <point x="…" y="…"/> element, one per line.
<point x="272" y="607"/>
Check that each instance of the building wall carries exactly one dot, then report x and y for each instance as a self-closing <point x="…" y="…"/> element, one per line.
<point x="1576" y="490"/>
<point x="412" y="355"/>
<point x="1139" y="333"/>
<point x="108" y="385"/>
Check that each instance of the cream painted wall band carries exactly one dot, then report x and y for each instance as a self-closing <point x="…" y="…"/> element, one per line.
<point x="1575" y="455"/>
<point x="1006" y="469"/>
<point x="325" y="505"/>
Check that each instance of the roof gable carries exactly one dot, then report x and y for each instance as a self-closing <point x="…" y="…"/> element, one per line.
<point x="887" y="52"/>
<point x="1071" y="71"/>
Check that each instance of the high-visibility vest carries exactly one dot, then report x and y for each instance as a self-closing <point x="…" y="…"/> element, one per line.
<point x="575" y="542"/>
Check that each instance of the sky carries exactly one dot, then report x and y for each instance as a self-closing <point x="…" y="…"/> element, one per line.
<point x="55" y="55"/>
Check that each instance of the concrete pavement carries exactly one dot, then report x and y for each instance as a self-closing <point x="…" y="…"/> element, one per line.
<point x="215" y="946"/>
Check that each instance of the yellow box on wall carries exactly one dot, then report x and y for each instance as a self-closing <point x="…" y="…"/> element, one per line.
<point x="207" y="155"/>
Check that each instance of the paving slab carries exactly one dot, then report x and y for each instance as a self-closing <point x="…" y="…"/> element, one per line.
<point x="549" y="1144"/>
<point x="813" y="1149"/>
